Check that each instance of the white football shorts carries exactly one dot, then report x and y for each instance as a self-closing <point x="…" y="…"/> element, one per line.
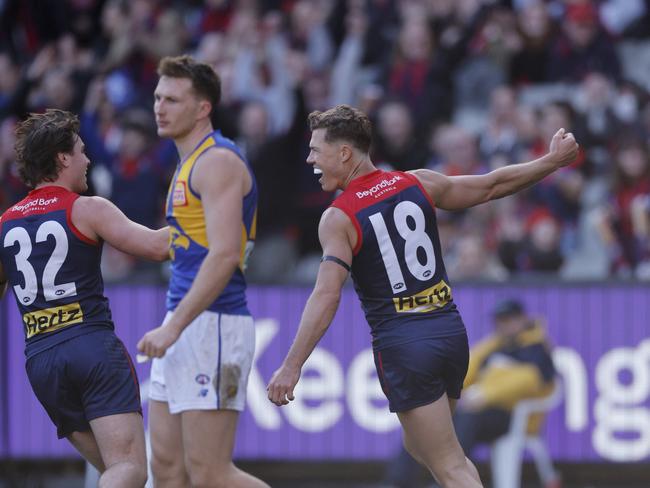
<point x="207" y="368"/>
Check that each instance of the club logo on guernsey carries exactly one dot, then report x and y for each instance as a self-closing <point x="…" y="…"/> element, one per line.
<point x="380" y="188"/>
<point x="425" y="301"/>
<point x="179" y="196"/>
<point x="51" y="319"/>
<point x="177" y="241"/>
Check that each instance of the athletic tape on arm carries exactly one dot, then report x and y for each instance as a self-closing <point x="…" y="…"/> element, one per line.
<point x="336" y="260"/>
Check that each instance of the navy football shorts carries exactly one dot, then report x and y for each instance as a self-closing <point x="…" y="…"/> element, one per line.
<point x="84" y="378"/>
<point x="420" y="372"/>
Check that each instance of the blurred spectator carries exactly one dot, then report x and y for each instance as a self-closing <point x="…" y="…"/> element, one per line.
<point x="582" y="46"/>
<point x="455" y="152"/>
<point x="561" y="192"/>
<point x="9" y="79"/>
<point x="509" y="366"/>
<point x="538" y="250"/>
<point x="417" y="74"/>
<point x="626" y="242"/>
<point x="12" y="188"/>
<point x="531" y="57"/>
<point x="595" y="105"/>
<point x="469" y="261"/>
<point x="277" y="217"/>
<point x="499" y="142"/>
<point x="395" y="142"/>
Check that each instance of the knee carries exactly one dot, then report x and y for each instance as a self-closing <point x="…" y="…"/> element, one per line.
<point x="412" y="451"/>
<point x="205" y="475"/>
<point x="206" y="479"/>
<point x="129" y="473"/>
<point x="165" y="466"/>
<point x="140" y="474"/>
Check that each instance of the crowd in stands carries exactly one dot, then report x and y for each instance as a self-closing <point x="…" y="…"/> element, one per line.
<point x="458" y="86"/>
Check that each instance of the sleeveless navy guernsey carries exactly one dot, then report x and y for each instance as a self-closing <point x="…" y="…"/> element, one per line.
<point x="53" y="270"/>
<point x="397" y="268"/>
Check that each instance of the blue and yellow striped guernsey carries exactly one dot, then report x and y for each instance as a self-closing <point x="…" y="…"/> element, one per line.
<point x="188" y="238"/>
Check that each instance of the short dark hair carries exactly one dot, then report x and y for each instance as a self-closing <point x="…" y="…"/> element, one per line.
<point x="508" y="308"/>
<point x="39" y="139"/>
<point x="205" y="82"/>
<point x="344" y="123"/>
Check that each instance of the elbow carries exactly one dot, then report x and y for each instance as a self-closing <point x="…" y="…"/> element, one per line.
<point x="226" y="258"/>
<point x="329" y="297"/>
<point x="162" y="254"/>
<point x="496" y="192"/>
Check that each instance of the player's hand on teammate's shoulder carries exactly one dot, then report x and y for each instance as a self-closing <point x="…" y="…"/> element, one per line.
<point x="283" y="381"/>
<point x="155" y="343"/>
<point x="563" y="148"/>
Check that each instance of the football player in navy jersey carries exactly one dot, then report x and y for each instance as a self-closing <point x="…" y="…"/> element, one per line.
<point x="382" y="229"/>
<point x="50" y="253"/>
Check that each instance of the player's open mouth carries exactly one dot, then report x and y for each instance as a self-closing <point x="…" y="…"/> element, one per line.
<point x="318" y="171"/>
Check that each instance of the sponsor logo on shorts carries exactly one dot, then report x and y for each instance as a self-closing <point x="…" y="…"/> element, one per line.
<point x="203" y="392"/>
<point x="380" y="188"/>
<point x="51" y="319"/>
<point x="425" y="301"/>
<point x="179" y="195"/>
<point x="202" y="379"/>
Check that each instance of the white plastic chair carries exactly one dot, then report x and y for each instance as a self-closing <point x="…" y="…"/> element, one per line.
<point x="507" y="451"/>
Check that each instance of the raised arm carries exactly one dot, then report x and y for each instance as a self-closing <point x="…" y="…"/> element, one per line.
<point x="98" y="218"/>
<point x="221" y="178"/>
<point x="334" y="232"/>
<point x="459" y="192"/>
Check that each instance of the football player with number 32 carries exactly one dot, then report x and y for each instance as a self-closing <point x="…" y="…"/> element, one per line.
<point x="50" y="253"/>
<point x="382" y="229"/>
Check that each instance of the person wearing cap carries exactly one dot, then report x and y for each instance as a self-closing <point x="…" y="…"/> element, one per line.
<point x="512" y="364"/>
<point x="582" y="47"/>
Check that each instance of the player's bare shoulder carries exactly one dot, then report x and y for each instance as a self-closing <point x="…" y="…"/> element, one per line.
<point x="433" y="182"/>
<point x="220" y="166"/>
<point x="88" y="212"/>
<point x="335" y="222"/>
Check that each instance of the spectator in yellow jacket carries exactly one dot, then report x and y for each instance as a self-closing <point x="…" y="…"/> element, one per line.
<point x="511" y="365"/>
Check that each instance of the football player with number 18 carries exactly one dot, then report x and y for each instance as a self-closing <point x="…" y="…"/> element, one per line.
<point x="382" y="229"/>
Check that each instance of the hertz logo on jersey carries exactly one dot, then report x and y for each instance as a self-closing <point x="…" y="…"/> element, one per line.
<point x="426" y="301"/>
<point x="51" y="319"/>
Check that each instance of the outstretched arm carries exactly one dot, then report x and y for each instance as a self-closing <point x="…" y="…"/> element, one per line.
<point x="459" y="192"/>
<point x="321" y="307"/>
<point x="98" y="218"/>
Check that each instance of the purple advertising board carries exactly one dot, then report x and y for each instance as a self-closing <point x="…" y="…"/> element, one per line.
<point x="602" y="351"/>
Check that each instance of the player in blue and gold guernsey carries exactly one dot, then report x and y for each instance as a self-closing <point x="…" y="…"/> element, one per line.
<point x="382" y="227"/>
<point x="50" y="252"/>
<point x="203" y="352"/>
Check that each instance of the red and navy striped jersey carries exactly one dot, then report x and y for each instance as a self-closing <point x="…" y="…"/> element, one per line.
<point x="53" y="269"/>
<point x="397" y="266"/>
